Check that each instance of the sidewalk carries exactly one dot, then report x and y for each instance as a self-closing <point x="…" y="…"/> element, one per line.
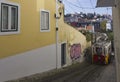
<point x="53" y="74"/>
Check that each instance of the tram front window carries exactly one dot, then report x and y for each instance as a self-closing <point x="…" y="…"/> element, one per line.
<point x="98" y="51"/>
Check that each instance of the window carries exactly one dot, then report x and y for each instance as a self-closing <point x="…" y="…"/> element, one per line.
<point x="45" y="23"/>
<point x="9" y="18"/>
<point x="98" y="50"/>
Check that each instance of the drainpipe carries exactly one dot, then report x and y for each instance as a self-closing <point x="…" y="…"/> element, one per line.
<point x="57" y="34"/>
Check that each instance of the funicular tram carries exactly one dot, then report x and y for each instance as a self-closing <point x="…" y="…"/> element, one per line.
<point x="101" y="50"/>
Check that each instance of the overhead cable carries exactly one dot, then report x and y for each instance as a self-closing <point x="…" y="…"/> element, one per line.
<point x="78" y="6"/>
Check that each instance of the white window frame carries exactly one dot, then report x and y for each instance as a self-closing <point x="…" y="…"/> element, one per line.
<point x="47" y="30"/>
<point x="10" y="31"/>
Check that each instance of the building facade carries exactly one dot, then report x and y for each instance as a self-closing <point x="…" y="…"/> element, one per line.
<point x="27" y="38"/>
<point x="33" y="40"/>
<point x="74" y="40"/>
<point x="116" y="30"/>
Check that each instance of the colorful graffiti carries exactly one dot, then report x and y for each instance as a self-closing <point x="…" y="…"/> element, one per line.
<point x="75" y="51"/>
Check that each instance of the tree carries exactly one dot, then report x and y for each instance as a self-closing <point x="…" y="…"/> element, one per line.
<point x="87" y="34"/>
<point x="110" y="35"/>
<point x="103" y="25"/>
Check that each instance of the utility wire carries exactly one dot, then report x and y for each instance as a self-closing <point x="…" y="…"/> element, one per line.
<point x="92" y="5"/>
<point x="66" y="10"/>
<point x="70" y="7"/>
<point x="81" y="5"/>
<point x="70" y="4"/>
<point x="78" y="6"/>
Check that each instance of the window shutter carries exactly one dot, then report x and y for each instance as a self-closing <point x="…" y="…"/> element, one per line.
<point x="14" y="18"/>
<point x="44" y="20"/>
<point x="5" y="17"/>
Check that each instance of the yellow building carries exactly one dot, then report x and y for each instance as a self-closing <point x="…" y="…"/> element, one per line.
<point x="29" y="40"/>
<point x="72" y="40"/>
<point x="27" y="37"/>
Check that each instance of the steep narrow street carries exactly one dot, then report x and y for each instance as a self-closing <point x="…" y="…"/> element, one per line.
<point x="91" y="73"/>
<point x="84" y="72"/>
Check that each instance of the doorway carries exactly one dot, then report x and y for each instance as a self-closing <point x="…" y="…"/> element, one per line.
<point x="63" y="54"/>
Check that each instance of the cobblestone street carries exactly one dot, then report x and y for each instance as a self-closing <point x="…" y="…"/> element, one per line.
<point x="91" y="73"/>
<point x="83" y="72"/>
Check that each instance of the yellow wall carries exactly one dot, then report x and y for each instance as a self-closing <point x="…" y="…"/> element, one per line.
<point x="71" y="35"/>
<point x="30" y="36"/>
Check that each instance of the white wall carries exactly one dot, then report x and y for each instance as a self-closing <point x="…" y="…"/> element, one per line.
<point x="28" y="63"/>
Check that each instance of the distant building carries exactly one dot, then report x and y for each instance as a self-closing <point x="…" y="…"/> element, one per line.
<point x="90" y="26"/>
<point x="81" y="21"/>
<point x="108" y="25"/>
<point x="96" y="26"/>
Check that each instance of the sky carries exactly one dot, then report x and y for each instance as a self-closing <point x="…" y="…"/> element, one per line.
<point x="86" y="6"/>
